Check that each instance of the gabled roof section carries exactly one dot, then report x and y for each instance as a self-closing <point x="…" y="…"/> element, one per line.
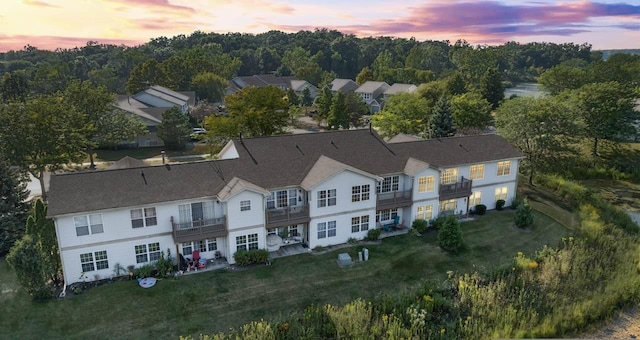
<point x="228" y="151"/>
<point x="343" y="85"/>
<point x="414" y="166"/>
<point x="299" y="85"/>
<point x="374" y="87"/>
<point x="398" y="88"/>
<point x="162" y="93"/>
<point x="237" y="185"/>
<point x="403" y="138"/>
<point x="127" y="162"/>
<point x="324" y="168"/>
<point x="135" y="107"/>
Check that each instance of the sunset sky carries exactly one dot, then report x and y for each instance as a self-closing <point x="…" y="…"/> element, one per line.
<point x="49" y="24"/>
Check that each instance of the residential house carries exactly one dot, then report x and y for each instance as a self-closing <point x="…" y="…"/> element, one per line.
<point x="343" y="85"/>
<point x="399" y="88"/>
<point x="372" y="94"/>
<point x="149" y="104"/>
<point x="263" y="80"/>
<point x="319" y="189"/>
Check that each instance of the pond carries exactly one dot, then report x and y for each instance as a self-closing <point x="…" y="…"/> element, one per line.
<point x="524" y="90"/>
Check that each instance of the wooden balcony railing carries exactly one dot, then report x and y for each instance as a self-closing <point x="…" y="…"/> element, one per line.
<point x="395" y="199"/>
<point x="199" y="230"/>
<point x="287" y="216"/>
<point x="458" y="189"/>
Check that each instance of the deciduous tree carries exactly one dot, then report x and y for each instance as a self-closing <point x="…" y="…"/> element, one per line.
<point x="491" y="87"/>
<point x="407" y="113"/>
<point x="118" y="126"/>
<point x="209" y="86"/>
<point x="470" y="111"/>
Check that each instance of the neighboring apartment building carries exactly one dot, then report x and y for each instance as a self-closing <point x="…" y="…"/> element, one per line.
<point x="372" y="94"/>
<point x="323" y="188"/>
<point x="262" y="80"/>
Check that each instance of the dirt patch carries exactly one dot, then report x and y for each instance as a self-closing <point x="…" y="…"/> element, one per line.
<point x="625" y="325"/>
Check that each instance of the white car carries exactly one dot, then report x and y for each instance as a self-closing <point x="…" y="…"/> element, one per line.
<point x="197" y="133"/>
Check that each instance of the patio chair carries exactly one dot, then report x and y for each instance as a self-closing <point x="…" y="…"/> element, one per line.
<point x="199" y="262"/>
<point x="391" y="225"/>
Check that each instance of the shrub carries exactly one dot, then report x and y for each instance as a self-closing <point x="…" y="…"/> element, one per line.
<point x="373" y="234"/>
<point x="258" y="256"/>
<point x="420" y="225"/>
<point x="242" y="258"/>
<point x="145" y="271"/>
<point x="438" y="222"/>
<point x="352" y="240"/>
<point x="515" y="203"/>
<point x="481" y="209"/>
<point x="164" y="264"/>
<point x="524" y="215"/>
<point x="450" y="234"/>
<point x="500" y="204"/>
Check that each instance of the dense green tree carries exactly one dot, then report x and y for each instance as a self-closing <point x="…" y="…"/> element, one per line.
<point x="292" y="98"/>
<point x="455" y="84"/>
<point x="338" y="115"/>
<point x="117" y="126"/>
<point x="306" y="99"/>
<point x="563" y="77"/>
<point x="441" y="122"/>
<point x="323" y="101"/>
<point x="26" y="262"/>
<point x="209" y="86"/>
<point x="432" y="91"/>
<point x="491" y="87"/>
<point x="51" y="77"/>
<point x="14" y="87"/>
<point x="407" y="113"/>
<point x="253" y="111"/>
<point x="607" y="111"/>
<point x="364" y="76"/>
<point x="543" y="129"/>
<point x="43" y="134"/>
<point x="470" y="111"/>
<point x="524" y="215"/>
<point x="356" y="107"/>
<point x="13" y="206"/>
<point x="450" y="235"/>
<point x="144" y="75"/>
<point x="174" y="129"/>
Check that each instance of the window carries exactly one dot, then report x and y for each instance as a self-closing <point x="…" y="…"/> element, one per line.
<point x="86" y="224"/>
<point x="146" y="253"/>
<point x="282" y="199"/>
<point x="448" y="206"/>
<point x="196" y="214"/>
<point x="425" y="212"/>
<point x="425" y="184"/>
<point x="245" y="205"/>
<point x="326" y="198"/>
<point x="247" y="242"/>
<point x="212" y="244"/>
<point x="187" y="248"/>
<point x="449" y="176"/>
<point x="360" y="193"/>
<point x="504" y="168"/>
<point x="88" y="264"/>
<point x="359" y="223"/>
<point x="386" y="215"/>
<point x="202" y="246"/>
<point x="326" y="229"/>
<point x="501" y="193"/>
<point x="477" y="171"/>
<point x="388" y="184"/>
<point x="475" y="198"/>
<point x="143" y="217"/>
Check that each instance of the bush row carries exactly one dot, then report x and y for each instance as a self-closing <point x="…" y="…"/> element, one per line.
<point x="253" y="256"/>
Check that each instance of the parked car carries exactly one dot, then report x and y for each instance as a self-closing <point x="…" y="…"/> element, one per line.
<point x="197" y="134"/>
<point x="312" y="112"/>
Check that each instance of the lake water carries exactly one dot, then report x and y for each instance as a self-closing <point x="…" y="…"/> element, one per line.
<point x="524" y="90"/>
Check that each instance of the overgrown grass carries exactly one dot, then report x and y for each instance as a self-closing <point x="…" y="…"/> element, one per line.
<point x="210" y="302"/>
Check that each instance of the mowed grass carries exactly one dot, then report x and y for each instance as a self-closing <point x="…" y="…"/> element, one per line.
<point x="211" y="302"/>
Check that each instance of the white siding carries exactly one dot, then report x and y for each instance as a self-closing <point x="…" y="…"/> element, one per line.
<point x="233" y="246"/>
<point x="429" y="195"/>
<point x="237" y="219"/>
<point x="343" y="228"/>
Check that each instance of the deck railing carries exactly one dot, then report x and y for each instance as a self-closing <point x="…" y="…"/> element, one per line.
<point x="287" y="216"/>
<point x="199" y="230"/>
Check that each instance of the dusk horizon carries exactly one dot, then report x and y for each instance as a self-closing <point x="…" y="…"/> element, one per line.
<point x="49" y="25"/>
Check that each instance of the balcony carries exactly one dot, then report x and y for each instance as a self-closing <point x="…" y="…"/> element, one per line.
<point x="395" y="199"/>
<point x="458" y="189"/>
<point x="199" y="230"/>
<point x="287" y="216"/>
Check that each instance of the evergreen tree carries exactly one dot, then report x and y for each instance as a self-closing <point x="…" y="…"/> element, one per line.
<point x="293" y="98"/>
<point x="306" y="97"/>
<point x="441" y="121"/>
<point x="13" y="208"/>
<point x="174" y="129"/>
<point x="338" y="115"/>
<point x="324" y="101"/>
<point x="524" y="215"/>
<point x="450" y="234"/>
<point x="491" y="87"/>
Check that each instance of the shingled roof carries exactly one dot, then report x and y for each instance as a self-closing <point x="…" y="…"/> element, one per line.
<point x="267" y="162"/>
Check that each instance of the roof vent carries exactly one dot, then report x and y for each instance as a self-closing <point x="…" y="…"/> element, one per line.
<point x="143" y="177"/>
<point x="299" y="149"/>
<point x="334" y="144"/>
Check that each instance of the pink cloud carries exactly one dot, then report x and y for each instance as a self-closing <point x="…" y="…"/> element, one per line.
<point x="18" y="42"/>
<point x="37" y="3"/>
<point x="162" y="6"/>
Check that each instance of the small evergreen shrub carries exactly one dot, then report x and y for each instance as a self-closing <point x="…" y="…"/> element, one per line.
<point x="438" y="222"/>
<point x="242" y="258"/>
<point x="450" y="234"/>
<point x="373" y="234"/>
<point x="500" y="204"/>
<point x="420" y="225"/>
<point x="253" y="256"/>
<point x="145" y="271"/>
<point x="352" y="240"/>
<point x="480" y="209"/>
<point x="524" y="215"/>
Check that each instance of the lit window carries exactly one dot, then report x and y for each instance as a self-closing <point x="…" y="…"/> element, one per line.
<point x="448" y="205"/>
<point x="425" y="212"/>
<point x="504" y="168"/>
<point x="501" y="193"/>
<point x="477" y="171"/>
<point x="449" y="176"/>
<point x="425" y="184"/>
<point x="475" y="198"/>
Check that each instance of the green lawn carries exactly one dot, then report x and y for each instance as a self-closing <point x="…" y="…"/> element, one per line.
<point x="151" y="152"/>
<point x="215" y="301"/>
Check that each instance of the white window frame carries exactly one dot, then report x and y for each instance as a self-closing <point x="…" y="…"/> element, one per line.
<point x="426" y="184"/>
<point x="89" y="223"/>
<point x="501" y="193"/>
<point x="360" y="193"/>
<point x="475" y="198"/>
<point x="327" y="198"/>
<point x="94" y="261"/>
<point x="147" y="252"/>
<point x="326" y="229"/>
<point x="245" y="205"/>
<point x="388" y="184"/>
<point x="147" y="217"/>
<point x="386" y="215"/>
<point x="504" y="168"/>
<point x="445" y="206"/>
<point x="359" y="223"/>
<point x="424" y="212"/>
<point x="449" y="176"/>
<point x="247" y="242"/>
<point x="280" y="199"/>
<point x="476" y="172"/>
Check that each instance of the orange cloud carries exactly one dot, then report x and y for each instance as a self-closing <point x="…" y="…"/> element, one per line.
<point x="37" y="3"/>
<point x="18" y="42"/>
